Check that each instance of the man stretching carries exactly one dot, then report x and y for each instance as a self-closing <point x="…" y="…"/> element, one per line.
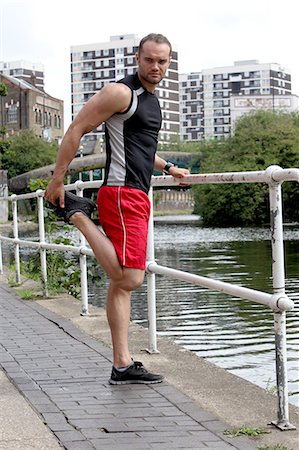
<point x="132" y="116"/>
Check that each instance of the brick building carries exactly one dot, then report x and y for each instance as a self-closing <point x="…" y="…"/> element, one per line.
<point x="28" y="107"/>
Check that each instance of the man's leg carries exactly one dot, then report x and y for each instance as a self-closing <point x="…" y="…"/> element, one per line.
<point x="119" y="313"/>
<point x="122" y="282"/>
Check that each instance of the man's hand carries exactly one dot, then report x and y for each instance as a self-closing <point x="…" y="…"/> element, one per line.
<point x="178" y="172"/>
<point x="55" y="193"/>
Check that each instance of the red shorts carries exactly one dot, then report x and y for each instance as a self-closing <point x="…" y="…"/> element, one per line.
<point x="124" y="213"/>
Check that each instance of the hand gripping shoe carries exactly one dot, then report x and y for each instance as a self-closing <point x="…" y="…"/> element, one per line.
<point x="72" y="204"/>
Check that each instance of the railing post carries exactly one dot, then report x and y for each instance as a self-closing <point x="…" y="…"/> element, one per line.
<point x="151" y="284"/>
<point x="1" y="259"/>
<point x="83" y="268"/>
<point x="43" y="252"/>
<point x="278" y="275"/>
<point x="16" y="236"/>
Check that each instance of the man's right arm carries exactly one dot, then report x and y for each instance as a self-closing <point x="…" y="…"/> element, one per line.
<point x="113" y="98"/>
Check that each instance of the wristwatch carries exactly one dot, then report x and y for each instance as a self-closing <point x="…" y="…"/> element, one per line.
<point x="167" y="167"/>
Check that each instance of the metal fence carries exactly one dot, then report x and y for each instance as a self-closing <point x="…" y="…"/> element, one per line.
<point x="278" y="301"/>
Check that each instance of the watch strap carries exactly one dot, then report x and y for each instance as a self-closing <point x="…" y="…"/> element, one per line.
<point x="167" y="166"/>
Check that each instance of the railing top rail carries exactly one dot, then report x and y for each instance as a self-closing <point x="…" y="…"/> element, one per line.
<point x="271" y="175"/>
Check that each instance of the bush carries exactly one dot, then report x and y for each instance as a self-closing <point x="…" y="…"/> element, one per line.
<point x="26" y="151"/>
<point x="261" y="139"/>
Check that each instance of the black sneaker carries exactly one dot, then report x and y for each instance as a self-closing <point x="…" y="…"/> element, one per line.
<point x="72" y="204"/>
<point x="135" y="374"/>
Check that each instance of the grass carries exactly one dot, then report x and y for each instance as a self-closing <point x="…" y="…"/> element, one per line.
<point x="246" y="431"/>
<point x="12" y="281"/>
<point x="26" y="294"/>
<point x="271" y="387"/>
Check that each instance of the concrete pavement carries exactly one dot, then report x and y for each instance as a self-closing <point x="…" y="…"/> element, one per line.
<point x="58" y="363"/>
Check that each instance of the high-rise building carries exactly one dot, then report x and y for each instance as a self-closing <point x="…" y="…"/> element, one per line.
<point x="25" y="70"/>
<point x="95" y="65"/>
<point x="208" y="98"/>
<point x="191" y="107"/>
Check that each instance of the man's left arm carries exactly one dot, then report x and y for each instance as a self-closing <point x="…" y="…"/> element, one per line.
<point x="168" y="168"/>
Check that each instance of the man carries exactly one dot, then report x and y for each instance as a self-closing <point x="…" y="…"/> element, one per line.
<point x="132" y="117"/>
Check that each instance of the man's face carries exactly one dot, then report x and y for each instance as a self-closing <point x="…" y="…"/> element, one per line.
<point x="153" y="61"/>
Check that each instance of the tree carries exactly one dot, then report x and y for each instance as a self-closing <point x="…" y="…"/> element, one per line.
<point x="260" y="140"/>
<point x="26" y="151"/>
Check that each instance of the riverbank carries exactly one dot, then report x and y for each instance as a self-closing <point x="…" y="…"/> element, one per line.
<point x="231" y="399"/>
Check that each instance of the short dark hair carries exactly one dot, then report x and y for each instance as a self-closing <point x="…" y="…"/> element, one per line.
<point x="157" y="38"/>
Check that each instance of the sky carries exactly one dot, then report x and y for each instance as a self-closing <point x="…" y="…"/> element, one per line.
<point x="206" y="33"/>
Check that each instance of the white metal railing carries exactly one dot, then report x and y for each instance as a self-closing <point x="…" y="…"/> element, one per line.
<point x="279" y="302"/>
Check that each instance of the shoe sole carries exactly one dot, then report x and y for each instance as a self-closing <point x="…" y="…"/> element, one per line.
<point x="135" y="382"/>
<point x="81" y="202"/>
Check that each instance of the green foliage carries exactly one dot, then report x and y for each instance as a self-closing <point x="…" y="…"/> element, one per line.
<point x="3" y="90"/>
<point x="63" y="269"/>
<point x="37" y="183"/>
<point x="271" y="387"/>
<point x="260" y="140"/>
<point x="26" y="294"/>
<point x="176" y="145"/>
<point x="26" y="152"/>
<point x="237" y="205"/>
<point x="246" y="431"/>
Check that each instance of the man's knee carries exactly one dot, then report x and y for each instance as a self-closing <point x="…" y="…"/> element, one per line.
<point x="131" y="279"/>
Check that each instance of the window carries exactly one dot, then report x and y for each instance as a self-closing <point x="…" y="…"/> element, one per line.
<point x="38" y="116"/>
<point x="57" y="121"/>
<point x="218" y="77"/>
<point x="12" y="116"/>
<point x="219" y="130"/>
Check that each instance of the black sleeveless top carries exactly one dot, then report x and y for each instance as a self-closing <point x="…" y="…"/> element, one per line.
<point x="131" y="139"/>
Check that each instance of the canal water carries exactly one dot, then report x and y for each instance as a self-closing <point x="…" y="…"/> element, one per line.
<point x="232" y="333"/>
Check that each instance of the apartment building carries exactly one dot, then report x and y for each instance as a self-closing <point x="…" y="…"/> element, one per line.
<point x="95" y="65"/>
<point x="208" y="98"/>
<point x="28" y="71"/>
<point x="191" y="107"/>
